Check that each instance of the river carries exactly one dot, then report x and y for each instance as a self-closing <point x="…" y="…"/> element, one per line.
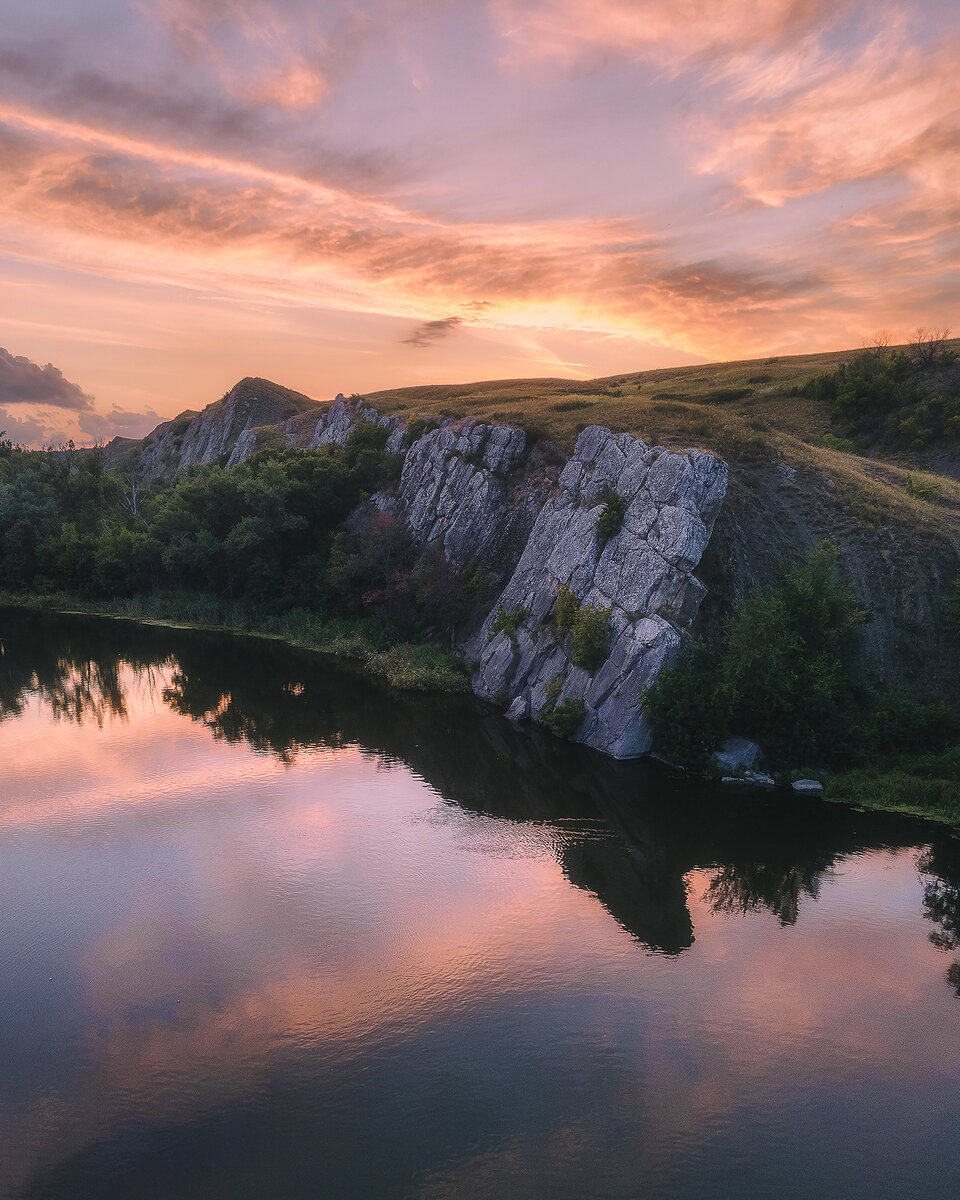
<point x="271" y="931"/>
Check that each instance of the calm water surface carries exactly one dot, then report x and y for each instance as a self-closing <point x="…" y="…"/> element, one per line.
<point x="268" y="931"/>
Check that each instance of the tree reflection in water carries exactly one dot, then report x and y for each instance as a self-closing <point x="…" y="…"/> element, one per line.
<point x="629" y="833"/>
<point x="941" y="899"/>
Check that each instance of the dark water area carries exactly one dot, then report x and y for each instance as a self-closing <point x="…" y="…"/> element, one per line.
<point x="269" y="930"/>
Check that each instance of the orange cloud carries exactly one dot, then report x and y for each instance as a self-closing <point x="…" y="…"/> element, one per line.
<point x="195" y="218"/>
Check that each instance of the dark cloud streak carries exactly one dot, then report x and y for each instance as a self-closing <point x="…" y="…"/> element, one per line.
<point x="26" y="382"/>
<point x="432" y="331"/>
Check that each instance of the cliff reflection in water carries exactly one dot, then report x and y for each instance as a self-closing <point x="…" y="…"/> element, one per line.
<point x="642" y="830"/>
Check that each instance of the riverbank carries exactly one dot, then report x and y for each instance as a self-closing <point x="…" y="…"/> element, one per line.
<point x="379" y="650"/>
<point x="899" y="790"/>
<point x="378" y="647"/>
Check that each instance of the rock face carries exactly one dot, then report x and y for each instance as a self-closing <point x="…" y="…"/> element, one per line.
<point x="340" y="418"/>
<point x="642" y="574"/>
<point x="224" y="430"/>
<point x="463" y="491"/>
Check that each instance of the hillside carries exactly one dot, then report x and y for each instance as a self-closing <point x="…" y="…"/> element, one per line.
<point x="892" y="508"/>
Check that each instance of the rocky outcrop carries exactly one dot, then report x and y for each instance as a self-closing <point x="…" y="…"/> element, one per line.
<point x="472" y="492"/>
<point x="339" y="419"/>
<point x="216" y="433"/>
<point x="642" y="575"/>
<point x="482" y="496"/>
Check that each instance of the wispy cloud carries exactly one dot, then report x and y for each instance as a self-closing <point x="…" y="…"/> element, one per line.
<point x="722" y="180"/>
<point x="889" y="111"/>
<point x="669" y="33"/>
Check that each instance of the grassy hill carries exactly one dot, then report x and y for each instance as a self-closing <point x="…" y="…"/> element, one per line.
<point x="751" y="412"/>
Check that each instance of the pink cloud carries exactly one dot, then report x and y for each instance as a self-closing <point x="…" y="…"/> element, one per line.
<point x="666" y="32"/>
<point x="889" y="112"/>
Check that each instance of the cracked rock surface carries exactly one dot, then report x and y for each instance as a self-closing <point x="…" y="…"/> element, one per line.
<point x="642" y="574"/>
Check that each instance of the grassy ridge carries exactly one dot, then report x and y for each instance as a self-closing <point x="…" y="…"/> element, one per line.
<point x="747" y="412"/>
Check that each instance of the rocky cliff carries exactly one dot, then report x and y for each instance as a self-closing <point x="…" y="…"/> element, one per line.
<point x="482" y="495"/>
<point x="641" y="575"/>
<point x="228" y="430"/>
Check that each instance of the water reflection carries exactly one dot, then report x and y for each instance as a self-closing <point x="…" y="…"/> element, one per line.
<point x="347" y="963"/>
<point x="651" y="829"/>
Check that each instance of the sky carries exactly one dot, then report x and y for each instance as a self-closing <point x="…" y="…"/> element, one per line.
<point x="353" y="196"/>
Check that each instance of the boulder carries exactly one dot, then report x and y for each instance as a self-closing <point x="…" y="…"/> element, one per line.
<point x="737" y="754"/>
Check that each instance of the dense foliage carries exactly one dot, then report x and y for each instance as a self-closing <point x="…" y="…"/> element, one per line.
<point x="287" y="532"/>
<point x="900" y="396"/>
<point x="784" y="672"/>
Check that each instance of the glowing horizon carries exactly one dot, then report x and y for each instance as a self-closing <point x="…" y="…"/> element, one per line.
<point x="349" y="200"/>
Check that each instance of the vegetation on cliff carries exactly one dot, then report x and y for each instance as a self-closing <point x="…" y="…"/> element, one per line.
<point x="785" y="672"/>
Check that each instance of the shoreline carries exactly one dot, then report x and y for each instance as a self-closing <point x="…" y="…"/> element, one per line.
<point x="404" y="666"/>
<point x="398" y="669"/>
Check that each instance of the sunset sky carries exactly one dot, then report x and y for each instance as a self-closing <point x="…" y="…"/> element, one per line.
<point x="350" y="196"/>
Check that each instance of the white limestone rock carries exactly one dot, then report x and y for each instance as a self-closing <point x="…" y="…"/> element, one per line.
<point x="642" y="574"/>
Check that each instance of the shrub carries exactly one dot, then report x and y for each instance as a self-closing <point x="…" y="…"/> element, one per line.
<point x="923" y="487"/>
<point x="832" y="442"/>
<point x="689" y="717"/>
<point x="610" y="521"/>
<point x="565" y="718"/>
<point x="566" y="610"/>
<point x="508" y="621"/>
<point x="422" y="425"/>
<point x="589" y="625"/>
<point x="590" y="633"/>
<point x="894" y="396"/>
<point x="782" y="672"/>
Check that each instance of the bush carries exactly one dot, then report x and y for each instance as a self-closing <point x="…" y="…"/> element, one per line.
<point x="590" y="633"/>
<point x="832" y="442"/>
<point x="783" y="672"/>
<point x="420" y="426"/>
<point x="563" y="718"/>
<point x="589" y="625"/>
<point x="896" y="397"/>
<point x="508" y="621"/>
<point x="923" y="487"/>
<point x="689" y="717"/>
<point x="566" y="610"/>
<point x="610" y="521"/>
